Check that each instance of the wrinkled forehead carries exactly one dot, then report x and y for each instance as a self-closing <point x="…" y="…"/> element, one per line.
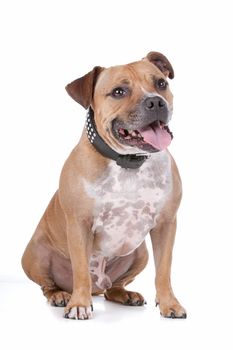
<point x="137" y="73"/>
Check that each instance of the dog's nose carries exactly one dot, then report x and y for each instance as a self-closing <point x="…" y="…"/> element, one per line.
<point x="155" y="108"/>
<point x="154" y="103"/>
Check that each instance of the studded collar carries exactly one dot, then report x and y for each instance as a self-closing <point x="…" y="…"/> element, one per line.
<point x="127" y="161"/>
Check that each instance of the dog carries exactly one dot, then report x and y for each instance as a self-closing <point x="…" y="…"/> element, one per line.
<point x="119" y="184"/>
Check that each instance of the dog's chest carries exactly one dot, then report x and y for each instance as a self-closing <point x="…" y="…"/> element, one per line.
<point x="128" y="203"/>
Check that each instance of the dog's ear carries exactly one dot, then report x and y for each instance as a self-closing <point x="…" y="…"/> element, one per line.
<point x="161" y="62"/>
<point x="82" y="89"/>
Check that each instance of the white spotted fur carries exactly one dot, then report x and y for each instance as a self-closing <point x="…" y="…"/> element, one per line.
<point x="128" y="203"/>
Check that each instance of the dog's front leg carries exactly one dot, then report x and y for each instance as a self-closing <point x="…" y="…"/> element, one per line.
<point x="80" y="244"/>
<point x="162" y="238"/>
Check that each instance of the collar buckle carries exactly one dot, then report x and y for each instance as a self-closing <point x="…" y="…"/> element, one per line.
<point x="131" y="161"/>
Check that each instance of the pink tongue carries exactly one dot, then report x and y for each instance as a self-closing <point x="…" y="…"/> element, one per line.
<point x="158" y="138"/>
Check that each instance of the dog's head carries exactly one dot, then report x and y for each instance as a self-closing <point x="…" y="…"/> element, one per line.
<point x="132" y="103"/>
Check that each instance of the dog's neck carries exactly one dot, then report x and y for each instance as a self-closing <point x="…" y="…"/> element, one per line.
<point x="127" y="161"/>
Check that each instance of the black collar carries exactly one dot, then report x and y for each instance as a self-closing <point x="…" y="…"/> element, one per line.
<point x="130" y="161"/>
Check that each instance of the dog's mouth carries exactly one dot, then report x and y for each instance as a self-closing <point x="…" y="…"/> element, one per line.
<point x="151" y="138"/>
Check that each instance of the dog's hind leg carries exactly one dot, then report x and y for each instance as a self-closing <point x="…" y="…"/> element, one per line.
<point x="37" y="262"/>
<point x="129" y="266"/>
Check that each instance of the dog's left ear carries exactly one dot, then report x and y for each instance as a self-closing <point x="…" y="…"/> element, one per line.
<point x="161" y="62"/>
<point x="82" y="89"/>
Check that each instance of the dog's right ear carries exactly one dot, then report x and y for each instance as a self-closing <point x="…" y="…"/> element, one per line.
<point x="82" y="89"/>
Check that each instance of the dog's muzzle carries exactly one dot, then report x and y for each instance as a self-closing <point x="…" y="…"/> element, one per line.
<point x="126" y="161"/>
<point x="147" y="128"/>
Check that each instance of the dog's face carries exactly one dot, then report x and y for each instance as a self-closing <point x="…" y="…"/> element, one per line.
<point x="132" y="103"/>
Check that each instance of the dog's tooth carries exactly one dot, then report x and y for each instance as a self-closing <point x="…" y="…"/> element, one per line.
<point x="134" y="134"/>
<point x="121" y="131"/>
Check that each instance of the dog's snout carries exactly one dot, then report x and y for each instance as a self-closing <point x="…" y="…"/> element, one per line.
<point x="154" y="103"/>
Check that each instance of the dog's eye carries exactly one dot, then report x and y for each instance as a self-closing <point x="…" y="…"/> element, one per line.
<point x="118" y="92"/>
<point x="161" y="84"/>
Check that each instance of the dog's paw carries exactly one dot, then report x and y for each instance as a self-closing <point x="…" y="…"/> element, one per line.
<point x="79" y="313"/>
<point x="59" y="298"/>
<point x="126" y="297"/>
<point x="171" y="309"/>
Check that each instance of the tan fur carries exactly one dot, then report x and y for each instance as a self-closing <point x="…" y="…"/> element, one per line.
<point x="57" y="257"/>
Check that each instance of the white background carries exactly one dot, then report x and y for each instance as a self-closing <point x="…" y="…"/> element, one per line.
<point x="44" y="46"/>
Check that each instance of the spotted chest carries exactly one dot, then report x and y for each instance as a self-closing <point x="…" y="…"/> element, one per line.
<point x="127" y="203"/>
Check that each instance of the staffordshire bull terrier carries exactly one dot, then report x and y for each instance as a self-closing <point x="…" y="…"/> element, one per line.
<point x="118" y="184"/>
